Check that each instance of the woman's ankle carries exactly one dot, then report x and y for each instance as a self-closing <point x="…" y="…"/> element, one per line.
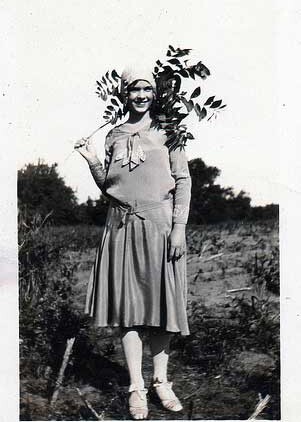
<point x="159" y="379"/>
<point x="137" y="385"/>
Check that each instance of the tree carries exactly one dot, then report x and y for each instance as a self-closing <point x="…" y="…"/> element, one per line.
<point x="41" y="190"/>
<point x="210" y="202"/>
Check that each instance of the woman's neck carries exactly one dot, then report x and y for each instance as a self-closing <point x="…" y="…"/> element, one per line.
<point x="138" y="119"/>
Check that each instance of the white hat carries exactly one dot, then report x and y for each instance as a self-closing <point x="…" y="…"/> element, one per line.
<point x="132" y="74"/>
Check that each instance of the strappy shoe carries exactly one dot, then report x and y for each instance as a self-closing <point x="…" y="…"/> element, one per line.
<point x="168" y="398"/>
<point x="138" y="403"/>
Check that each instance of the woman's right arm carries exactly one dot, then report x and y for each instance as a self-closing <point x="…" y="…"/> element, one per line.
<point x="88" y="151"/>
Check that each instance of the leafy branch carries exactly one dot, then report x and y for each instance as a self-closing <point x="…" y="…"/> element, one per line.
<point x="170" y="100"/>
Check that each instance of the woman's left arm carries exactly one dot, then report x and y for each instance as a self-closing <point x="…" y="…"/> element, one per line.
<point x="180" y="172"/>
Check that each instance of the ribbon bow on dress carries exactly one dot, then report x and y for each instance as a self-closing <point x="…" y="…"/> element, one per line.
<point x="133" y="154"/>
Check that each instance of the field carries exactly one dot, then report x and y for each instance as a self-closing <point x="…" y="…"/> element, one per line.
<point x="228" y="363"/>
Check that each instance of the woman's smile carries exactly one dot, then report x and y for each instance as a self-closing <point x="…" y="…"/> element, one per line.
<point x="140" y="97"/>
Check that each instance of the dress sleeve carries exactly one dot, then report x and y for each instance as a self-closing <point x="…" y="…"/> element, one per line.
<point x="180" y="172"/>
<point x="98" y="171"/>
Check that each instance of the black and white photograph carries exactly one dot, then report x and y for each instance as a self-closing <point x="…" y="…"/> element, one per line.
<point x="149" y="251"/>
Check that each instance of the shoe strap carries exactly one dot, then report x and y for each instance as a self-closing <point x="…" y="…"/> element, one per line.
<point x="134" y="387"/>
<point x="164" y="390"/>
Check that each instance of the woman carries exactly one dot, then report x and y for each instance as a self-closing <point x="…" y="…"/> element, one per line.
<point x="138" y="281"/>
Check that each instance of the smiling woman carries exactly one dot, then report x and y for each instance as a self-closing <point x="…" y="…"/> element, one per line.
<point x="140" y="97"/>
<point x="138" y="281"/>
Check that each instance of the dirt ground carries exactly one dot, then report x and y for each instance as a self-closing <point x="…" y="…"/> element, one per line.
<point x="219" y="260"/>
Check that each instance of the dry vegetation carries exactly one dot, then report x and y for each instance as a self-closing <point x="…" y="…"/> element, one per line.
<point x="220" y="371"/>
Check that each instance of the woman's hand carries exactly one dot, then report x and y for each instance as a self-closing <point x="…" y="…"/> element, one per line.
<point x="177" y="241"/>
<point x="85" y="147"/>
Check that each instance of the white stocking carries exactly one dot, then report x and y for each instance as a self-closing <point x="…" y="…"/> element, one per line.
<point x="159" y="343"/>
<point x="132" y="346"/>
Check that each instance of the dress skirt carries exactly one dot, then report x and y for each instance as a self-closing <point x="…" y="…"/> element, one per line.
<point x="132" y="282"/>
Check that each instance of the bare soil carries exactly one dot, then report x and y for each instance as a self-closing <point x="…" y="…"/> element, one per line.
<point x="219" y="259"/>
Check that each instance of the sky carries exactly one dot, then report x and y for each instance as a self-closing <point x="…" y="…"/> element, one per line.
<point x="64" y="49"/>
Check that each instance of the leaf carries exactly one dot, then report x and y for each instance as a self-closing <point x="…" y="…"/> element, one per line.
<point x="191" y="73"/>
<point x="181" y="53"/>
<point x="104" y="81"/>
<point x="171" y="48"/>
<point x="108" y="77"/>
<point x="159" y="63"/>
<point x="189" y="135"/>
<point x="216" y="104"/>
<point x="156" y="69"/>
<point x="115" y="75"/>
<point x="184" y="73"/>
<point x="196" y="92"/>
<point x="168" y="53"/>
<point x="188" y="104"/>
<point x="175" y="61"/>
<point x="223" y="106"/>
<point x="197" y="109"/>
<point x="203" y="114"/>
<point x="202" y="71"/>
<point x="114" y="102"/>
<point x="110" y="108"/>
<point x="209" y="100"/>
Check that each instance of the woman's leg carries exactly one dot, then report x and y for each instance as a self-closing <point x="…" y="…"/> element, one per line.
<point x="132" y="346"/>
<point x="160" y="350"/>
<point x="159" y="342"/>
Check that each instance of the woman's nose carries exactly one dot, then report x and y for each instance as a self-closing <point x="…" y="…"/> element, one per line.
<point x="141" y="93"/>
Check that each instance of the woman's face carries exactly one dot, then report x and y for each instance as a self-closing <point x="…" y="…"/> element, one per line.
<point x="140" y="96"/>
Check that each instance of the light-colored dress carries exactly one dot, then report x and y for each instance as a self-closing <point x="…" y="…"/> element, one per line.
<point x="132" y="282"/>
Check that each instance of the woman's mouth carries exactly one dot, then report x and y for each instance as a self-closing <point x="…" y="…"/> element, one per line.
<point x="141" y="104"/>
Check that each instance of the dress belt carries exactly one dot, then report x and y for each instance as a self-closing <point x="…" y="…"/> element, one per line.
<point x="128" y="209"/>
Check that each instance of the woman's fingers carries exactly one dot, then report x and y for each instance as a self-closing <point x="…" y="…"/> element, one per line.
<point x="171" y="252"/>
<point x="175" y="252"/>
<point x="81" y="143"/>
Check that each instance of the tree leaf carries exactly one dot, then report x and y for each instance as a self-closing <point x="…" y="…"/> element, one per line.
<point x="168" y="53"/>
<point x="223" y="106"/>
<point x="111" y="108"/>
<point x="203" y="114"/>
<point x="159" y="63"/>
<point x="196" y="92"/>
<point x="184" y="73"/>
<point x="175" y="61"/>
<point x="189" y="135"/>
<point x="216" y="104"/>
<point x="114" y="102"/>
<point x="171" y="48"/>
<point x="156" y="69"/>
<point x="191" y="73"/>
<point x="209" y="100"/>
<point x="181" y="53"/>
<point x="115" y="75"/>
<point x="188" y="104"/>
<point x="197" y="109"/>
<point x="201" y="70"/>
